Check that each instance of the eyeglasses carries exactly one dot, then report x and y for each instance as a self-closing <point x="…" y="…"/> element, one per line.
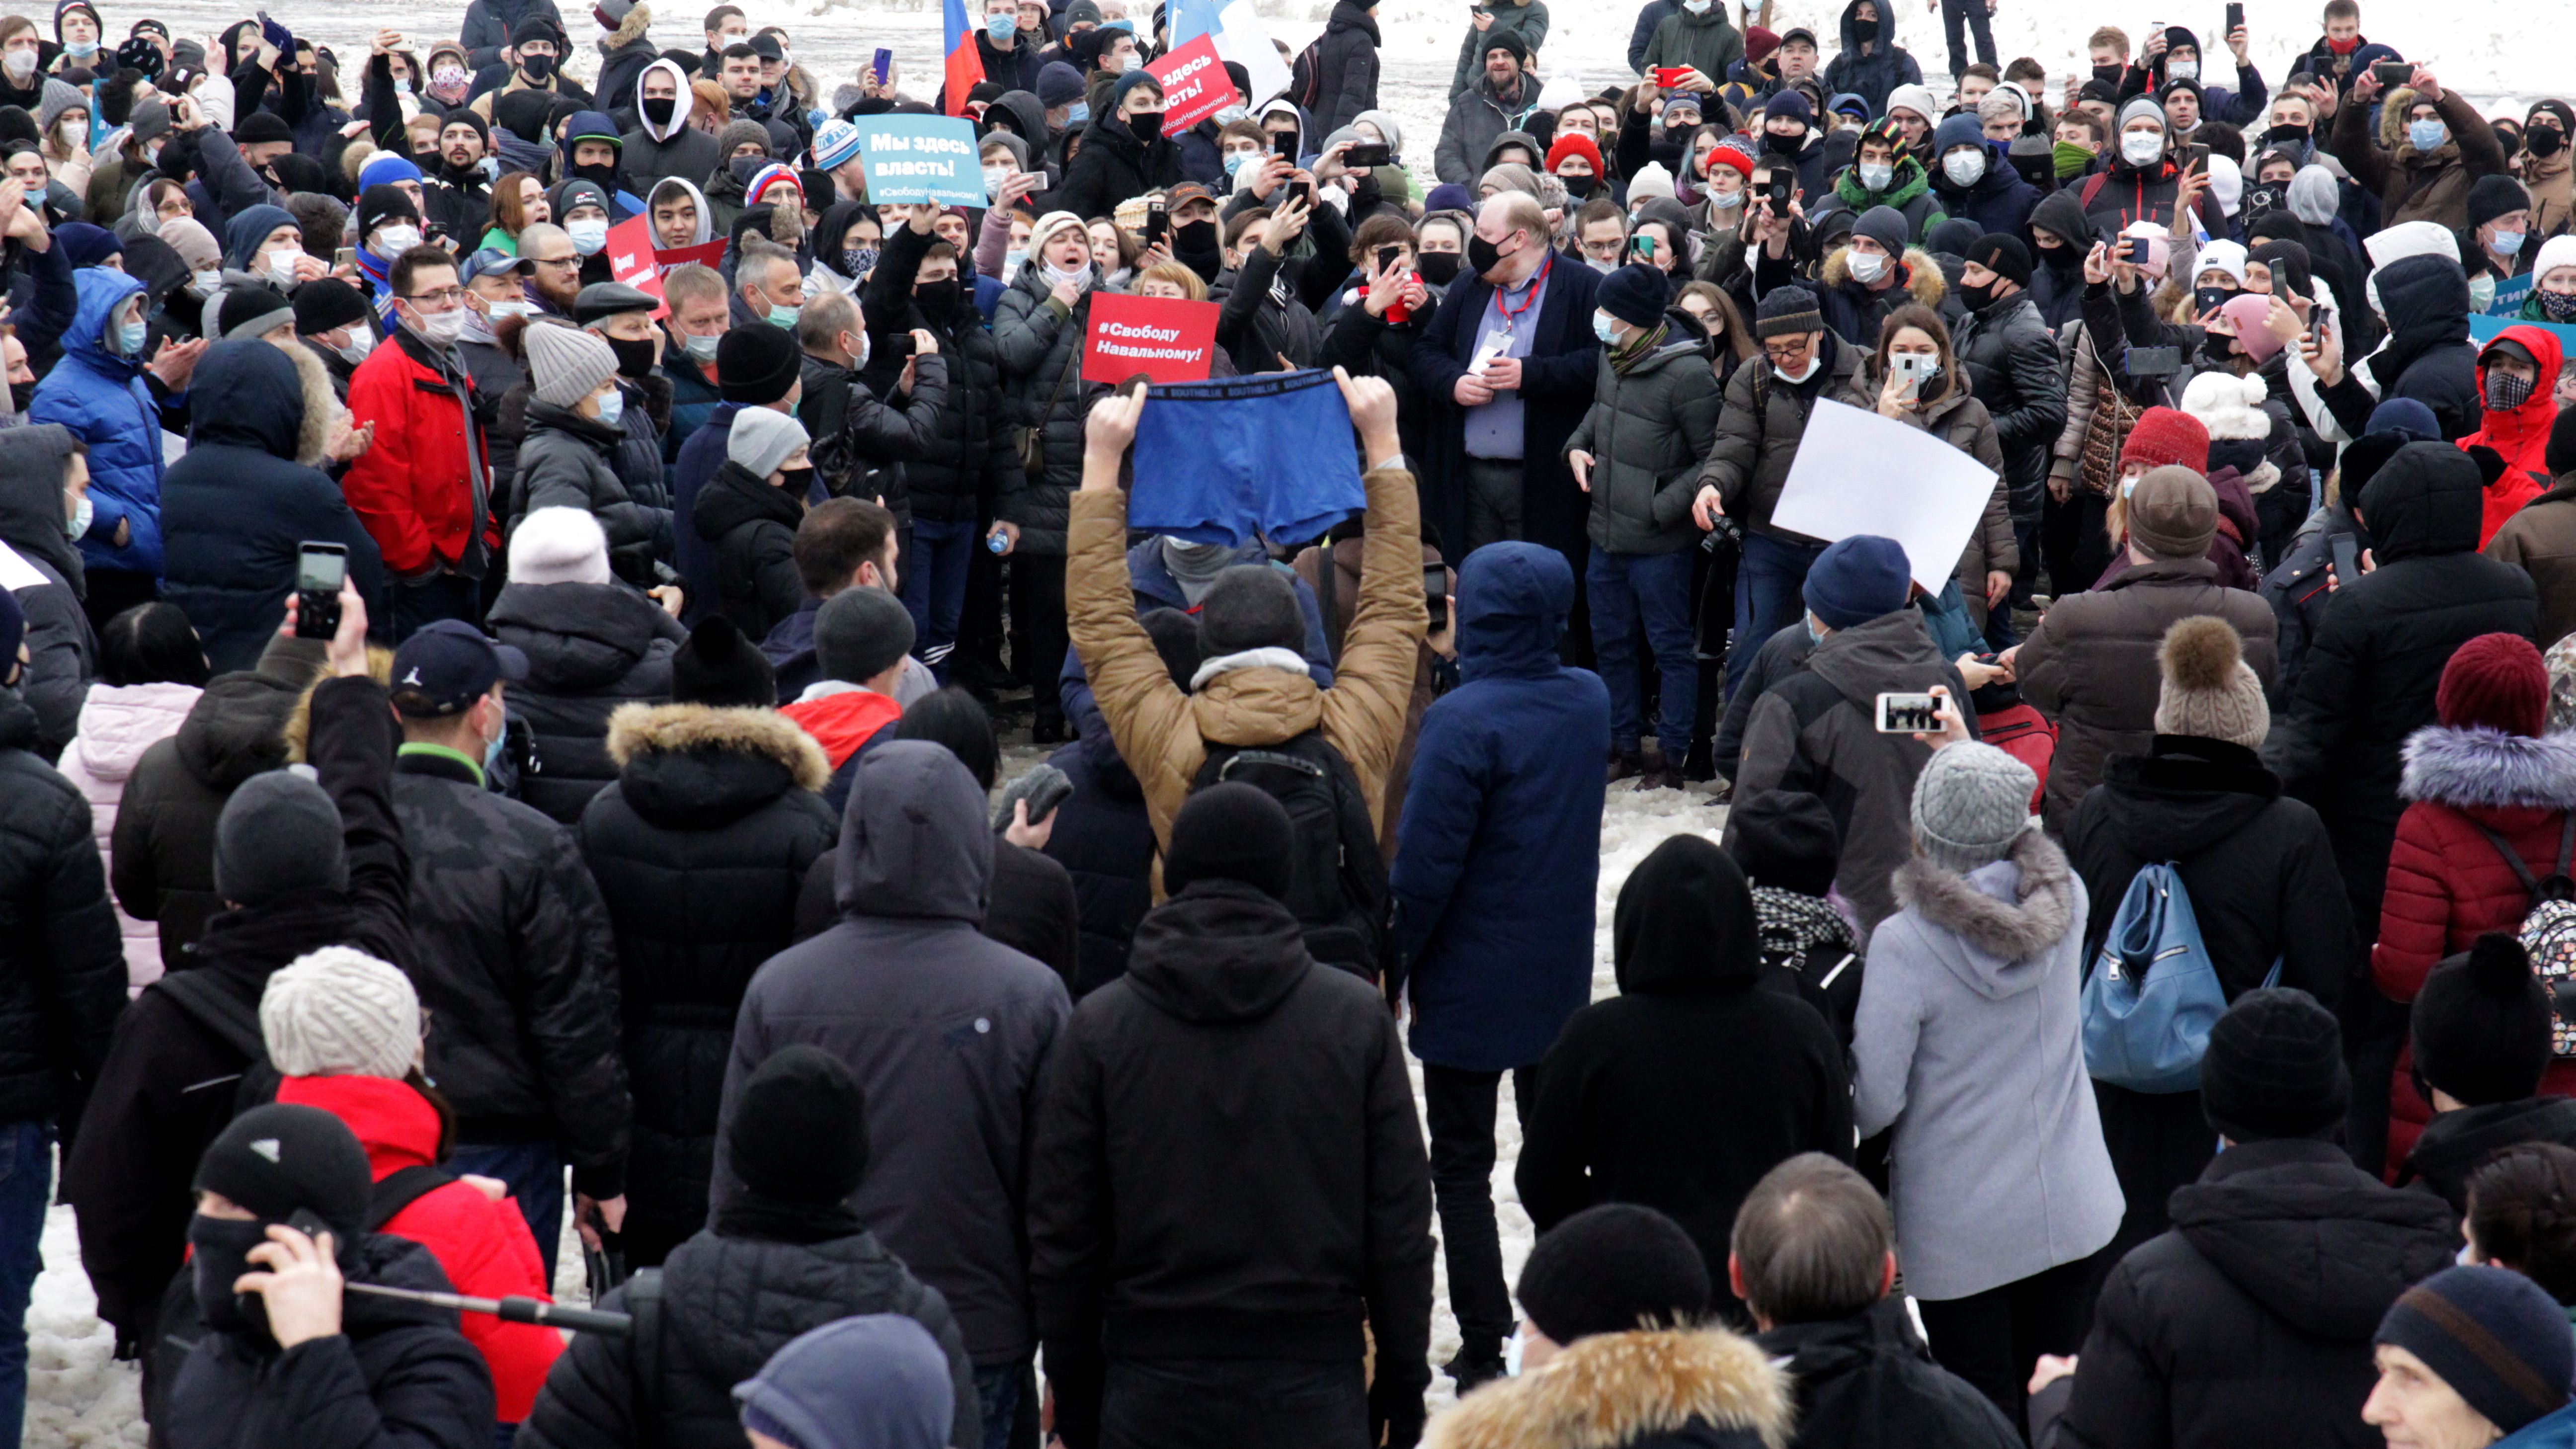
<point x="571" y="261"/>
<point x="437" y="301"/>
<point x="1785" y="351"/>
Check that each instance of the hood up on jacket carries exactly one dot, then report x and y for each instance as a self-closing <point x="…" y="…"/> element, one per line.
<point x="1513" y="599"/>
<point x="698" y="766"/>
<point x="2512" y="433"/>
<point x="579" y="638"/>
<point x="914" y="842"/>
<point x="2062" y="213"/>
<point x="706" y="219"/>
<point x="1853" y="32"/>
<point x="1924" y="280"/>
<point x="2426" y="302"/>
<point x="101" y="293"/>
<point x="1685" y="922"/>
<point x="250" y="394"/>
<point x="1615" y="1389"/>
<point x="2428" y="499"/>
<point x="2001" y="919"/>
<point x="238" y="726"/>
<point x="1220" y="951"/>
<point x="2479" y="766"/>
<point x="1026" y="117"/>
<point x="684" y="105"/>
<point x="2454" y="1143"/>
<point x="32" y="516"/>
<point x="2319" y="1243"/>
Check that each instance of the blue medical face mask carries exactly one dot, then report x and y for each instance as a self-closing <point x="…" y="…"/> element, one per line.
<point x="2507" y="243"/>
<point x="1001" y="27"/>
<point x="1605" y="329"/>
<point x="783" y="316"/>
<point x="612" y="406"/>
<point x="2425" y="135"/>
<point x="129" y="339"/>
<point x="1077" y="113"/>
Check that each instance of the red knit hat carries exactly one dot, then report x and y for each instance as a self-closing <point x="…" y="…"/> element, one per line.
<point x="2168" y="436"/>
<point x="1734" y="153"/>
<point x="1758" y="44"/>
<point x="2495" y="680"/>
<point x="1573" y="143"/>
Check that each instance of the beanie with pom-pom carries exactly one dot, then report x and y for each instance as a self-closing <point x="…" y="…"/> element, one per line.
<point x="2482" y="1024"/>
<point x="2208" y="689"/>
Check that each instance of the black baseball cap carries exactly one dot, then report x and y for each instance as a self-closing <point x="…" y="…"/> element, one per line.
<point x="447" y="666"/>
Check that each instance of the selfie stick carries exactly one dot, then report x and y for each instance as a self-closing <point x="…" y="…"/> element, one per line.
<point x="513" y="1309"/>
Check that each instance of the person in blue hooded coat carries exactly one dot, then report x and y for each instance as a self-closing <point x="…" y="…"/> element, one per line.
<point x="243" y="499"/>
<point x="1992" y="195"/>
<point x="1494" y="879"/>
<point x="110" y="396"/>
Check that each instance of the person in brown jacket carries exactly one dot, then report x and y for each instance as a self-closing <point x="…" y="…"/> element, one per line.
<point x="1331" y="567"/>
<point x="2091" y="663"/>
<point x="2548" y="173"/>
<point x="1939" y="402"/>
<point x="2540" y="539"/>
<point x="2417" y="181"/>
<point x="1164" y="733"/>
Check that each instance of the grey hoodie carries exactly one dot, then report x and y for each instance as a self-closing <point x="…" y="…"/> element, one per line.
<point x="948" y="1033"/>
<point x="649" y="152"/>
<point x="61" y="649"/>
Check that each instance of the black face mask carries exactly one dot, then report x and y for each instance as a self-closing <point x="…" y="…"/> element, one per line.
<point x="2508" y="140"/>
<point x="1483" y="256"/>
<point x="2544" y="141"/>
<point x="2109" y="75"/>
<point x="2288" y="137"/>
<point x="2218" y="348"/>
<point x="1779" y="145"/>
<point x="1437" y="268"/>
<point x="2059" y="258"/>
<point x="1978" y="296"/>
<point x="937" y="300"/>
<point x="658" y="109"/>
<point x="22" y="395"/>
<point x="634" y="359"/>
<point x="1146" y="125"/>
<point x="1667" y="154"/>
<point x="1577" y="187"/>
<point x="605" y="176"/>
<point x="220" y="1255"/>
<point x="537" y="67"/>
<point x="799" y="481"/>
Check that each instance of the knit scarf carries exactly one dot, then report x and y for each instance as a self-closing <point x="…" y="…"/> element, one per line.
<point x="379" y="275"/>
<point x="1629" y="353"/>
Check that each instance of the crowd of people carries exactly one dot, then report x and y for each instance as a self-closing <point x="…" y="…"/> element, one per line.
<point x="501" y="750"/>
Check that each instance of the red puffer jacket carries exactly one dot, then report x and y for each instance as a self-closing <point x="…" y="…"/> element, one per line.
<point x="2522" y="435"/>
<point x="481" y="1242"/>
<point x="412" y="488"/>
<point x="2447" y="882"/>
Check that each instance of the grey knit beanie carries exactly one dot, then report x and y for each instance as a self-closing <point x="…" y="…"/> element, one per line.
<point x="566" y="364"/>
<point x="1971" y="803"/>
<point x="339" y="1012"/>
<point x="741" y="133"/>
<point x="860" y="633"/>
<point x="2208" y="691"/>
<point x="761" y="438"/>
<point x="279" y="835"/>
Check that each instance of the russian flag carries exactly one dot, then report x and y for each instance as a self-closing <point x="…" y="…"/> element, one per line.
<point x="965" y="62"/>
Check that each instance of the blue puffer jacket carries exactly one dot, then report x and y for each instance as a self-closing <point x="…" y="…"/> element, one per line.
<point x="1497" y="856"/>
<point x="105" y="401"/>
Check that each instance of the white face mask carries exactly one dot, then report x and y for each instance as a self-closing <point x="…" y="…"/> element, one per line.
<point x="1868" y="267"/>
<point x="281" y="268"/>
<point x="204" y="283"/>
<point x="1801" y="375"/>
<point x="360" y="343"/>
<point x="1965" y="168"/>
<point x="21" y="63"/>
<point x="994" y="176"/>
<point x="588" y="235"/>
<point x="443" y="328"/>
<point x="393" y="241"/>
<point x="1876" y="178"/>
<point x="83" y="512"/>
<point x="2141" y="148"/>
<point x="2182" y="70"/>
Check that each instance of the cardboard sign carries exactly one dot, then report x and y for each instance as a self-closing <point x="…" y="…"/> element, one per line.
<point x="921" y="158"/>
<point x="1857" y="472"/>
<point x="1165" y="338"/>
<point x="1195" y="85"/>
<point x="631" y="259"/>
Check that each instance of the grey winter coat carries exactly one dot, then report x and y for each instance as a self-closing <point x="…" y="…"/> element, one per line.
<point x="1476" y="117"/>
<point x="1757" y="436"/>
<point x="948" y="1033"/>
<point x="1968" y="1045"/>
<point x="1529" y="21"/>
<point x="1960" y="420"/>
<point x="568" y="461"/>
<point x="1650" y="425"/>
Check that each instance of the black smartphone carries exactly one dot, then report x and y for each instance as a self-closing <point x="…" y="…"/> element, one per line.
<point x="1284" y="143"/>
<point x="1435" y="595"/>
<point x="319" y="568"/>
<point x="2153" y="361"/>
<point x="2347" y="558"/>
<point x="884" y="63"/>
<point x="2137" y="250"/>
<point x="1156" y="218"/>
<point x="1784" y="183"/>
<point x="2393" y="72"/>
<point x="1386" y="257"/>
<point x="1303" y="191"/>
<point x="899" y="346"/>
<point x="2235" y="18"/>
<point x="1368" y="154"/>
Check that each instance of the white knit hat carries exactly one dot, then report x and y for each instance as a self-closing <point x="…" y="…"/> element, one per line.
<point x="761" y="439"/>
<point x="339" y="1012"/>
<point x="559" y="546"/>
<point x="2558" y="251"/>
<point x="566" y="364"/>
<point x="2229" y="406"/>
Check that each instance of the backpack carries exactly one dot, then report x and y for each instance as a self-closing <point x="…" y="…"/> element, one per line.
<point x="2548" y="929"/>
<point x="1337" y="883"/>
<point x="1306" y="76"/>
<point x="2153" y="994"/>
<point x="2022" y="732"/>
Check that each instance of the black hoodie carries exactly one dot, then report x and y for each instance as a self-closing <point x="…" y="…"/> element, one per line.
<point x="1682" y="1091"/>
<point x="1868" y="1382"/>
<point x="61" y="649"/>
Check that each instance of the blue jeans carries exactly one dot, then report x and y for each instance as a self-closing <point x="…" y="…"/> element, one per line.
<point x="934" y="586"/>
<point x="1655" y="587"/>
<point x="535" y="1173"/>
<point x="448" y="596"/>
<point x="1768" y="586"/>
<point x="26" y="1186"/>
<point x="997" y="1394"/>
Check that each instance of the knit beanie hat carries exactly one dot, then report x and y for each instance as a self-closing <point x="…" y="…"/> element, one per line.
<point x="260" y="127"/>
<point x="719" y="668"/>
<point x="339" y="1012"/>
<point x="2493" y="1335"/>
<point x="1635" y="294"/>
<point x="874" y="1381"/>
<point x="800" y="1133"/>
<point x="2560" y="455"/>
<point x="860" y="633"/>
<point x="1613" y="1268"/>
<point x="1858" y="579"/>
<point x="835" y="141"/>
<point x="2496" y="681"/>
<point x="1884" y="225"/>
<point x="2003" y="254"/>
<point x="381" y="203"/>
<point x="741" y="133"/>
<point x="1734" y="153"/>
<point x="1230" y="831"/>
<point x="1250" y="606"/>
<point x="2249" y="314"/>
<point x="279" y="835"/>
<point x="1650" y="183"/>
<point x="2167" y="435"/>
<point x="756" y="365"/>
<point x="1971" y="803"/>
<point x="762" y="439"/>
<point x="559" y="545"/>
<point x="1058" y="85"/>
<point x="197" y="246"/>
<point x="566" y="364"/>
<point x="1786" y="839"/>
<point x="2208" y="691"/>
<point x="279" y="1159"/>
<point x="57" y="97"/>
<point x="2274" y="1068"/>
<point x="325" y="303"/>
<point x="2482" y="1023"/>
<point x="2173" y="512"/>
<point x="1177" y="641"/>
<point x="252" y="310"/>
<point x="1787" y="311"/>
<point x="2493" y="196"/>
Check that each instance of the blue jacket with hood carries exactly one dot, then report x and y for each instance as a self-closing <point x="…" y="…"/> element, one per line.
<point x="1999" y="201"/>
<point x="1496" y="864"/>
<point x="107" y="403"/>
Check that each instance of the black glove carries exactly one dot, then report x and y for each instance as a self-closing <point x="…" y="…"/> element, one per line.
<point x="1395" y="1415"/>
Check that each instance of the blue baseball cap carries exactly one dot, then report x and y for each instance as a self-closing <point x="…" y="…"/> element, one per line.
<point x="447" y="666"/>
<point x="493" y="259"/>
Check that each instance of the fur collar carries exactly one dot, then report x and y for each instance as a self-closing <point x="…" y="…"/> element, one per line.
<point x="1616" y="1388"/>
<point x="2015" y="930"/>
<point x="671" y="728"/>
<point x="1923" y="278"/>
<point x="325" y="420"/>
<point x="2481" y="766"/>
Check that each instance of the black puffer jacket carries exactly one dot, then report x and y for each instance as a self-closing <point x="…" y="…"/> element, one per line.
<point x="1040" y="343"/>
<point x="590" y="648"/>
<point x="570" y="461"/>
<point x="1111" y="167"/>
<point x="861" y="444"/>
<point x="397" y="1374"/>
<point x="2427" y="356"/>
<point x="517" y="972"/>
<point x="966" y="460"/>
<point x="698" y="849"/>
<point x="1105" y="840"/>
<point x="2012" y="368"/>
<point x="62" y="961"/>
<point x="1868" y="1382"/>
<point x="753" y="528"/>
<point x="728" y="1302"/>
<point x="2250" y="1322"/>
<point x="2454" y="1143"/>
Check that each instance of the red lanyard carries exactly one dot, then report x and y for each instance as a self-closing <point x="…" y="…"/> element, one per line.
<point x="1502" y="297"/>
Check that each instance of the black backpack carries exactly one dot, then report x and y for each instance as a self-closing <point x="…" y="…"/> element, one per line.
<point x="1306" y="76"/>
<point x="1337" y="886"/>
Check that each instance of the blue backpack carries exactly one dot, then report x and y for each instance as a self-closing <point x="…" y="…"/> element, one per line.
<point x="2153" y="994"/>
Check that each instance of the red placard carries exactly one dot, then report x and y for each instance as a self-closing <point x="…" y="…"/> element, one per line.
<point x="707" y="254"/>
<point x="1165" y="338"/>
<point x="1195" y="85"/>
<point x="633" y="260"/>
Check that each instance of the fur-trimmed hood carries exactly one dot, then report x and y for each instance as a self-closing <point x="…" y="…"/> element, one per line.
<point x="1614" y="1389"/>
<point x="638" y="729"/>
<point x="2479" y="766"/>
<point x="1923" y="279"/>
<point x="2394" y="103"/>
<point x="2007" y="915"/>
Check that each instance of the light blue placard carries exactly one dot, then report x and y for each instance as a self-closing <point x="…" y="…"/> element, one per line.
<point x="2509" y="295"/>
<point x="2483" y="330"/>
<point x="921" y="158"/>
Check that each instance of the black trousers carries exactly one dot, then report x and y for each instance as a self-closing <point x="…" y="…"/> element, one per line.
<point x="2073" y="542"/>
<point x="1037" y="607"/>
<point x="1460" y="1106"/>
<point x="1994" y="1339"/>
<point x="1214" y="1403"/>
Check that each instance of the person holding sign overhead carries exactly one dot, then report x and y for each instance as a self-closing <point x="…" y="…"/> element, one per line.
<point x="1123" y="153"/>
